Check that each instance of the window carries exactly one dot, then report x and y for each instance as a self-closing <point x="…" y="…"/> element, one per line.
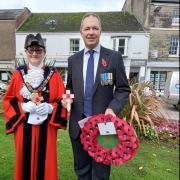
<point x="74" y="45"/>
<point x="4" y="76"/>
<point x="51" y="21"/>
<point x="175" y="18"/>
<point x="121" y="47"/>
<point x="120" y="44"/>
<point x="174" y="46"/>
<point x="158" y="78"/>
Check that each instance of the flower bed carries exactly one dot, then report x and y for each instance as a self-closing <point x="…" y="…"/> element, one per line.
<point x="168" y="130"/>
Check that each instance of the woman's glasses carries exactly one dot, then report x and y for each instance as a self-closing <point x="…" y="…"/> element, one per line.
<point x="38" y="50"/>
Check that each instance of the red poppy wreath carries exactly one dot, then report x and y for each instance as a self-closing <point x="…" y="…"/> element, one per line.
<point x="109" y="149"/>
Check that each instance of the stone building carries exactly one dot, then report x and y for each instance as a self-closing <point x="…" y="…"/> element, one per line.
<point x="161" y="19"/>
<point x="10" y="21"/>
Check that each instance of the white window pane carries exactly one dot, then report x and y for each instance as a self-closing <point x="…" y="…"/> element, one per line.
<point x="74" y="45"/>
<point x="173" y="45"/>
<point x="4" y="76"/>
<point x="175" y="17"/>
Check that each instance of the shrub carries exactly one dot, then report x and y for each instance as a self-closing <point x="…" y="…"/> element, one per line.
<point x="150" y="133"/>
<point x="143" y="109"/>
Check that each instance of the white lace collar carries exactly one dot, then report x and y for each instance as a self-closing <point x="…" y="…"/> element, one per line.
<point x="34" y="76"/>
<point x="35" y="67"/>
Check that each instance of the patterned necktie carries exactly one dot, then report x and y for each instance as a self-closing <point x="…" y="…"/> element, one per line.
<point x="89" y="85"/>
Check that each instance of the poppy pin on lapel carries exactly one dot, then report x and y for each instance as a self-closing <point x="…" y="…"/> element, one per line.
<point x="104" y="63"/>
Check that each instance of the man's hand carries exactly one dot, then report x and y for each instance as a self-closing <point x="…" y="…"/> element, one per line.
<point x="110" y="111"/>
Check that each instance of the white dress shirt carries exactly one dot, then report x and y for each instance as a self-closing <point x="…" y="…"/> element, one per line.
<point x="85" y="61"/>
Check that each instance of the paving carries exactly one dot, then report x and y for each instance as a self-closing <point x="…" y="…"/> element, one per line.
<point x="171" y="112"/>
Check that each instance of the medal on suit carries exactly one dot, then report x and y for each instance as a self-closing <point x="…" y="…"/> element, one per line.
<point x="106" y="79"/>
<point x="110" y="79"/>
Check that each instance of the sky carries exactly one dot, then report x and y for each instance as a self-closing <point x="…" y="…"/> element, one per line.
<point x="64" y="5"/>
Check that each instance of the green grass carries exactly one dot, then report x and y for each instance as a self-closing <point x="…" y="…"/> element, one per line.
<point x="152" y="162"/>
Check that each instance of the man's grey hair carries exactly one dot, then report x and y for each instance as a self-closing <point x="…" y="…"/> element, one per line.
<point x="88" y="15"/>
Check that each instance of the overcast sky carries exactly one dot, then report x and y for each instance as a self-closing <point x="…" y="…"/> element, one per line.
<point x="63" y="5"/>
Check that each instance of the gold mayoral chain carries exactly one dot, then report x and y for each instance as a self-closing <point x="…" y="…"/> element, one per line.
<point x="35" y="96"/>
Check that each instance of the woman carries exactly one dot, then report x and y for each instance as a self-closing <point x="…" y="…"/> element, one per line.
<point x="33" y="112"/>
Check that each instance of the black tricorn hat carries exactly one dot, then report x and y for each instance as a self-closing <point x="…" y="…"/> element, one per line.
<point x="34" y="40"/>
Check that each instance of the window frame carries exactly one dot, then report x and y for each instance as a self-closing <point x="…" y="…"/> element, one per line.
<point x="73" y="46"/>
<point x="171" y="46"/>
<point x="2" y="75"/>
<point x="157" y="80"/>
<point x="175" y="18"/>
<point x="116" y="46"/>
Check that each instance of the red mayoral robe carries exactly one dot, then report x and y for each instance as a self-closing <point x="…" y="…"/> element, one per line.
<point x="35" y="144"/>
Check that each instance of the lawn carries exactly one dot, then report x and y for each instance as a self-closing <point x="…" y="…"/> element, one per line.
<point x="152" y="162"/>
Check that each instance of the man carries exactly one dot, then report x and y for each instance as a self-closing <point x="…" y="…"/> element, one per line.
<point x="97" y="78"/>
<point x="33" y="112"/>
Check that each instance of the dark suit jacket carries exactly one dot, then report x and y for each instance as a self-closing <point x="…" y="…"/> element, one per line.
<point x="103" y="96"/>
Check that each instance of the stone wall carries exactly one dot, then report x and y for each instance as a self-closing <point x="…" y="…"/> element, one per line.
<point x="138" y="8"/>
<point x="160" y="41"/>
<point x="161" y="16"/>
<point x="7" y="40"/>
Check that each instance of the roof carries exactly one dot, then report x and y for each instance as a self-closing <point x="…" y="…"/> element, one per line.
<point x="70" y="22"/>
<point x="10" y="14"/>
<point x="166" y="1"/>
